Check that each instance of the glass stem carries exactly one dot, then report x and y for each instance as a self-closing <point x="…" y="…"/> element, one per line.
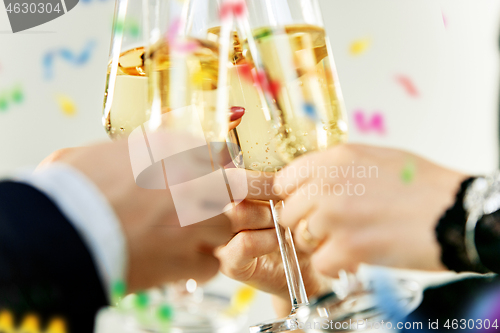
<point x="293" y="275"/>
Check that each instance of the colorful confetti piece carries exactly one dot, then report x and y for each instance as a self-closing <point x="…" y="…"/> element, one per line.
<point x="17" y="95"/>
<point x="142" y="300"/>
<point x="245" y="71"/>
<point x="375" y="124"/>
<point x="359" y="46"/>
<point x="385" y="292"/>
<point x="57" y="325"/>
<point x="79" y="59"/>
<point x="445" y="20"/>
<point x="198" y="78"/>
<point x="270" y="86"/>
<point x="11" y="96"/>
<point x="408" y="85"/>
<point x="30" y="324"/>
<point x="133" y="29"/>
<point x="4" y="103"/>
<point x="165" y="313"/>
<point x="241" y="300"/>
<point x="66" y="104"/>
<point x="174" y="42"/>
<point x="408" y="172"/>
<point x="236" y="8"/>
<point x="260" y="79"/>
<point x="130" y="27"/>
<point x="118" y="291"/>
<point x="310" y="111"/>
<point x="6" y="321"/>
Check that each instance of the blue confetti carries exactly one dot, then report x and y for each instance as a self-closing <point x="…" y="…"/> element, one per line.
<point x="76" y="59"/>
<point x="310" y="110"/>
<point x="386" y="296"/>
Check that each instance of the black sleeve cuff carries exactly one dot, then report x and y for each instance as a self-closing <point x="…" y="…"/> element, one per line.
<point x="450" y="233"/>
<point x="45" y="267"/>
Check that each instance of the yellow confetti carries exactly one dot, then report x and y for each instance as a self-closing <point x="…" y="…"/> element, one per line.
<point x="359" y="46"/>
<point x="30" y="324"/>
<point x="6" y="321"/>
<point x="66" y="104"/>
<point x="241" y="300"/>
<point x="57" y="325"/>
<point x="198" y="78"/>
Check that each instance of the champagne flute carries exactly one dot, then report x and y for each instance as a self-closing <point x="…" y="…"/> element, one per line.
<point x="169" y="77"/>
<point x="293" y="105"/>
<point x="125" y="97"/>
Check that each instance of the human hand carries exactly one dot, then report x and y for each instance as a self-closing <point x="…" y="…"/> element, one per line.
<point x="373" y="217"/>
<point x="159" y="249"/>
<point x="253" y="256"/>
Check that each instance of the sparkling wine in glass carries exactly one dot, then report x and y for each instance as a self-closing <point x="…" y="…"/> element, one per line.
<point x="169" y="77"/>
<point x="283" y="73"/>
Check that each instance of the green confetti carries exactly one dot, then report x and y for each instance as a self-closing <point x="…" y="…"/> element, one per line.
<point x="17" y="95"/>
<point x="118" y="291"/>
<point x="119" y="26"/>
<point x="263" y="34"/>
<point x="133" y="29"/>
<point x="142" y="300"/>
<point x="165" y="312"/>
<point x="408" y="172"/>
<point x="4" y="104"/>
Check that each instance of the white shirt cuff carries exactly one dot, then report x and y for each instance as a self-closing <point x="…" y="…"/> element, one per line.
<point x="89" y="212"/>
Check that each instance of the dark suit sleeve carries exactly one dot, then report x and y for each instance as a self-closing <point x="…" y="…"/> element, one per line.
<point x="45" y="268"/>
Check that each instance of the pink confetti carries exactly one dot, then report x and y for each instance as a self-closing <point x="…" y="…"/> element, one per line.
<point x="238" y="9"/>
<point x="274" y="88"/>
<point x="408" y="85"/>
<point x="270" y="86"/>
<point x="245" y="71"/>
<point x="260" y="79"/>
<point x="173" y="41"/>
<point x="445" y="21"/>
<point x="375" y="124"/>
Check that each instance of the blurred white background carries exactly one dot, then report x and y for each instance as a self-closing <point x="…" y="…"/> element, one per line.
<point x="446" y="109"/>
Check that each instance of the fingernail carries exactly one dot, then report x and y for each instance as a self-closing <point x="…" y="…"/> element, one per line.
<point x="237" y="112"/>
